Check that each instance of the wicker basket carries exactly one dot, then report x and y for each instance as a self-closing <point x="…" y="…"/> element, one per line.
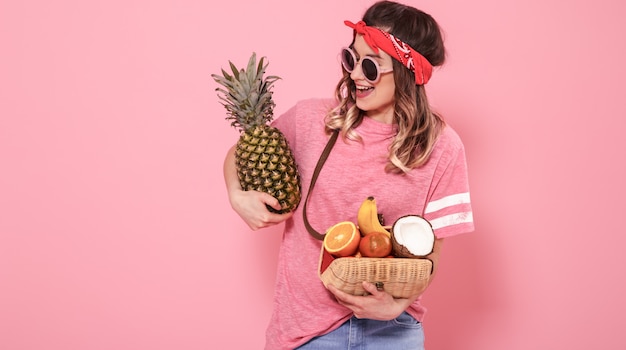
<point x="400" y="277"/>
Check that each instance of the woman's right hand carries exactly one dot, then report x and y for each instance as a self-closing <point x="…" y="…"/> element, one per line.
<point x="251" y="206"/>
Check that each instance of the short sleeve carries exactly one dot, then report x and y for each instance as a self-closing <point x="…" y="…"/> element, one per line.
<point x="449" y="208"/>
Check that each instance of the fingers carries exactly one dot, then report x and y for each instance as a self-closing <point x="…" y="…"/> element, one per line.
<point x="252" y="206"/>
<point x="342" y="297"/>
<point x="356" y="303"/>
<point x="345" y="298"/>
<point x="268" y="219"/>
<point x="375" y="289"/>
<point x="271" y="201"/>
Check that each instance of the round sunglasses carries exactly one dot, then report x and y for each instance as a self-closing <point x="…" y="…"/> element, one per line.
<point x="370" y="68"/>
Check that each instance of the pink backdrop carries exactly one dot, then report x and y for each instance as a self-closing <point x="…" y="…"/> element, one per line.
<point x="115" y="229"/>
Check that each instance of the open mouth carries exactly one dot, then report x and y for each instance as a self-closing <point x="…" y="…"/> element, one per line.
<point x="363" y="91"/>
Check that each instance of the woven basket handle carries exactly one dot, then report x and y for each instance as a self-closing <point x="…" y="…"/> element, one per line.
<point x="318" y="168"/>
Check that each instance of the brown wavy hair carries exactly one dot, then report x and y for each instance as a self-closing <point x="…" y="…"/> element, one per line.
<point x="417" y="125"/>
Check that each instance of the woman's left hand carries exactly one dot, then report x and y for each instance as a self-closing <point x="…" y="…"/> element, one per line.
<point x="379" y="305"/>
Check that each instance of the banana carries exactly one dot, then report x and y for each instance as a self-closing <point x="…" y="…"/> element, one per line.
<point x="367" y="218"/>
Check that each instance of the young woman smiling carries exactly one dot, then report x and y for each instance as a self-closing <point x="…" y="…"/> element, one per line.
<point x="392" y="146"/>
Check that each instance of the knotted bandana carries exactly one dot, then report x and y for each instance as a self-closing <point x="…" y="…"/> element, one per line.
<point x="396" y="48"/>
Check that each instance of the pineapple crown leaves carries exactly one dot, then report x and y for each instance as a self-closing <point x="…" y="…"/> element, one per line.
<point x="246" y="94"/>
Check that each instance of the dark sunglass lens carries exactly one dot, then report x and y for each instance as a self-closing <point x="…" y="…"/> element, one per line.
<point x="347" y="60"/>
<point x="369" y="69"/>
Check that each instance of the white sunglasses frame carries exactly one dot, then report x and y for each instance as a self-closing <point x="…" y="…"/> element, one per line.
<point x="379" y="70"/>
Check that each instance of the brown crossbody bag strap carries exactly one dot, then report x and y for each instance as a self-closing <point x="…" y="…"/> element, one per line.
<point x="318" y="168"/>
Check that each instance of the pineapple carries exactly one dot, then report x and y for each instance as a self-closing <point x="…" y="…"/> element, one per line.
<point x="263" y="158"/>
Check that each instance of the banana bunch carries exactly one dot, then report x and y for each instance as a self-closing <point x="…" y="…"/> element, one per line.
<point x="367" y="218"/>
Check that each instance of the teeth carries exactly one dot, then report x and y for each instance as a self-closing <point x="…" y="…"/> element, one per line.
<point x="363" y="87"/>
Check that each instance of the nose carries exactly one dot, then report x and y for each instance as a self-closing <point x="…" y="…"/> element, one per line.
<point x="357" y="72"/>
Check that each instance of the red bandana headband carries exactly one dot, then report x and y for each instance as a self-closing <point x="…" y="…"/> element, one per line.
<point x="413" y="60"/>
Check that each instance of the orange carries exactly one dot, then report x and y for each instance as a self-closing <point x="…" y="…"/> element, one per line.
<point x="375" y="245"/>
<point x="342" y="239"/>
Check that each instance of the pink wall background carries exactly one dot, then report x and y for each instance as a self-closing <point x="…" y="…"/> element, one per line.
<point x="115" y="229"/>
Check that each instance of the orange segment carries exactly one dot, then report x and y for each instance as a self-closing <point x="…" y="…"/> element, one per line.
<point x="342" y="239"/>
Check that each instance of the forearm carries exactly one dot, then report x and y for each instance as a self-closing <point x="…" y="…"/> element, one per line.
<point x="230" y="172"/>
<point x="434" y="256"/>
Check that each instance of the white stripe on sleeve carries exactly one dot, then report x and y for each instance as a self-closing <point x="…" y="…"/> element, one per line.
<point x="452" y="219"/>
<point x="451" y="200"/>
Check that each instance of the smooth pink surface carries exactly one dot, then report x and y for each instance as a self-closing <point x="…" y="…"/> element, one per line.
<point x="116" y="231"/>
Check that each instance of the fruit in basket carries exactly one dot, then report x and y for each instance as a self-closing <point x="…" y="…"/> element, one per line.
<point x="375" y="245"/>
<point x="264" y="160"/>
<point x="412" y="236"/>
<point x="342" y="239"/>
<point x="368" y="218"/>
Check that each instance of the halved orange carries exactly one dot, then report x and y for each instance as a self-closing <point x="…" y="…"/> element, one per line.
<point x="342" y="239"/>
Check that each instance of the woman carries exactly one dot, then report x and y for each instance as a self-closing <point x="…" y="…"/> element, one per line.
<point x="391" y="146"/>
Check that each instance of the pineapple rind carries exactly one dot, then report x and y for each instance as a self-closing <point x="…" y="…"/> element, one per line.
<point x="274" y="173"/>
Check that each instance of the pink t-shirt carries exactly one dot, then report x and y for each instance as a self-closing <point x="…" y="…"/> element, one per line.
<point x="439" y="191"/>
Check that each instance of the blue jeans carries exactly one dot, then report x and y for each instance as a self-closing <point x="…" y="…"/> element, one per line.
<point x="402" y="333"/>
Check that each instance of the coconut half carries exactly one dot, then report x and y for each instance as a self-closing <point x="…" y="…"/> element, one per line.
<point x="412" y="236"/>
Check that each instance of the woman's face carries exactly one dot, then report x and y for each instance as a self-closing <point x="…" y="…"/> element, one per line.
<point x="376" y="100"/>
